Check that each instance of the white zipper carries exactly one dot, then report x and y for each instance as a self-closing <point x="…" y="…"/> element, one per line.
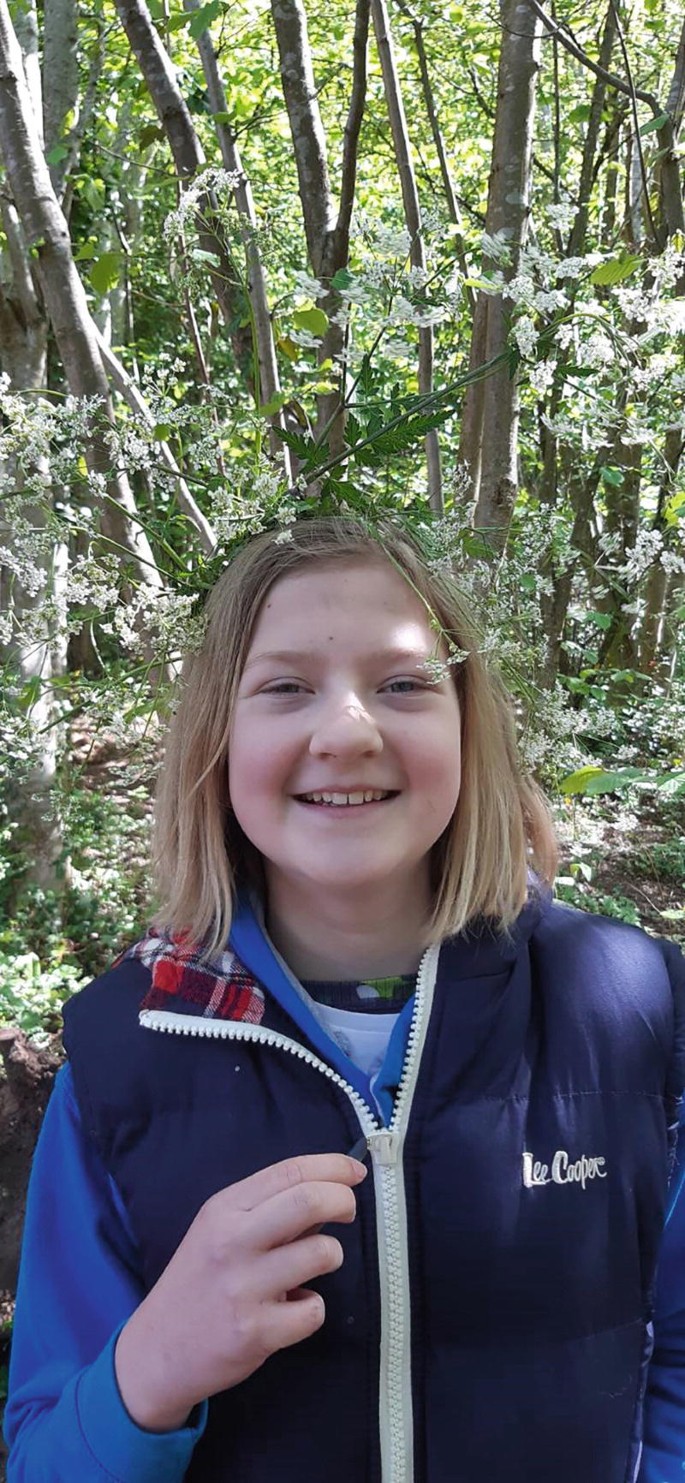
<point x="385" y="1147"/>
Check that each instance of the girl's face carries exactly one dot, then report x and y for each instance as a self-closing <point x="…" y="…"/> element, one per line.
<point x="344" y="759"/>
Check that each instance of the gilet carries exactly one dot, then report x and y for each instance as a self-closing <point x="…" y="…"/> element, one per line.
<point x="491" y="1316"/>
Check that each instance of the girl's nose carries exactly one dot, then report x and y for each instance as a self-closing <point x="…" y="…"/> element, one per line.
<point x="346" y="730"/>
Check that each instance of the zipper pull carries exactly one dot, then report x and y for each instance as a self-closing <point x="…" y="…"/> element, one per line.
<point x="384" y="1146"/>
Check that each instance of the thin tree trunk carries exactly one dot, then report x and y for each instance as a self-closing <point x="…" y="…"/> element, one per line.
<point x="47" y="237"/>
<point x="326" y="230"/>
<point x="189" y="159"/>
<point x="61" y="74"/>
<point x="269" y="384"/>
<point x="418" y="27"/>
<point x="412" y="216"/>
<point x="587" y="170"/>
<point x="495" y="431"/>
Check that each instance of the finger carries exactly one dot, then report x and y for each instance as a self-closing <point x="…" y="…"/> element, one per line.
<point x="299" y="1318"/>
<point x="296" y="1265"/>
<point x="297" y="1212"/>
<point x="336" y="1168"/>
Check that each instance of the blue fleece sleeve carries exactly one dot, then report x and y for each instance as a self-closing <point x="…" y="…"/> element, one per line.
<point x="664" y="1431"/>
<point x="663" y="1458"/>
<point x="78" y="1284"/>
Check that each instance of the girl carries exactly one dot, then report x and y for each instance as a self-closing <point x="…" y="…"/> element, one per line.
<point x="358" y="1168"/>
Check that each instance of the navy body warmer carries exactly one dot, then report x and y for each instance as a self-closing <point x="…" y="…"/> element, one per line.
<point x="490" y="1320"/>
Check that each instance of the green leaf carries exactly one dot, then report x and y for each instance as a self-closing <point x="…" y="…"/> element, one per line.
<point x="593" y="780"/>
<point x="86" y="252"/>
<point x="342" y="279"/>
<point x="222" y="117"/>
<point x="576" y="782"/>
<point x="299" y="444"/>
<point x="55" y="155"/>
<point x="150" y="134"/>
<point x="105" y="272"/>
<point x="313" y="320"/>
<point x="177" y="22"/>
<point x="580" y="114"/>
<point x="615" y="270"/>
<point x="161" y="431"/>
<point x="203" y="18"/>
<point x="653" y="124"/>
<point x="600" y="620"/>
<point x="612" y="476"/>
<point x="269" y="409"/>
<point x="673" y="508"/>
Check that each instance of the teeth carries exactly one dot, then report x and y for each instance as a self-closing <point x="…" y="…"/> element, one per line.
<point x="341" y="800"/>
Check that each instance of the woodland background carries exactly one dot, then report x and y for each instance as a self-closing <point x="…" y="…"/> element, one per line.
<point x="256" y="257"/>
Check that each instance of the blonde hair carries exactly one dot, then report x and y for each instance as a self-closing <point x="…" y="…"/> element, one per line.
<point x="501" y="827"/>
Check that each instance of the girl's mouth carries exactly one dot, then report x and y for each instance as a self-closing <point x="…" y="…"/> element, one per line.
<point x="347" y="800"/>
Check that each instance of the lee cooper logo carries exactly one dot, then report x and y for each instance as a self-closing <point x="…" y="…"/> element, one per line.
<point x="562" y="1170"/>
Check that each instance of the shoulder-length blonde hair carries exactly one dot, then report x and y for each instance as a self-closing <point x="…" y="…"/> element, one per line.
<point x="501" y="827"/>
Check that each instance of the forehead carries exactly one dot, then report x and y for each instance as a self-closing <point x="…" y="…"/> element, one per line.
<point x="357" y="601"/>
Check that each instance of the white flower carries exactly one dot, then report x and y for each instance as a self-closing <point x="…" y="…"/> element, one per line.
<point x="561" y="214"/>
<point x="525" y="335"/>
<point x="541" y="376"/>
<point x="310" y="287"/>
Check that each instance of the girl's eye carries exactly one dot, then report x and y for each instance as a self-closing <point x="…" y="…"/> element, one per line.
<point x="284" y="687"/>
<point x="403" y="687"/>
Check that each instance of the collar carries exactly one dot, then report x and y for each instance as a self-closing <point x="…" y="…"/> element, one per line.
<point x="219" y="987"/>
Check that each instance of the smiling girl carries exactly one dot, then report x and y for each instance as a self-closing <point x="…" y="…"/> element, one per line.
<point x="356" y="966"/>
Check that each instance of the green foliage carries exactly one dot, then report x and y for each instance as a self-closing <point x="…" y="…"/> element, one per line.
<point x="53" y="942"/>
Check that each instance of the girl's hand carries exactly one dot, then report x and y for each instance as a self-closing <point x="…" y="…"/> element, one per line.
<point x="233" y="1292"/>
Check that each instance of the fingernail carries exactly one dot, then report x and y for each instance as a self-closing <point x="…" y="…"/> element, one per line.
<point x="359" y="1151"/>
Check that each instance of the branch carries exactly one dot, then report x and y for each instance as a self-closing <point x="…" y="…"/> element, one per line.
<point x="636" y="125"/>
<point x="160" y="77"/>
<point x="587" y="169"/>
<point x="129" y="391"/>
<point x="269" y="384"/>
<point x="448" y="183"/>
<point x="174" y="116"/>
<point x="563" y="35"/>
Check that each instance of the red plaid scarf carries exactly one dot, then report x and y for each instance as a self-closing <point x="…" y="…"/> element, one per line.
<point x="220" y="986"/>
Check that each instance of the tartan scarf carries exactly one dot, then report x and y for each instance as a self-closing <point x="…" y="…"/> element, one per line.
<point x="220" y="987"/>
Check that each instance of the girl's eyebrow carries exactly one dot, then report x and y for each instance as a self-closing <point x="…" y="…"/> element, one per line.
<point x="379" y="656"/>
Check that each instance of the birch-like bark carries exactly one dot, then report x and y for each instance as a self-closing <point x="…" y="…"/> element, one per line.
<point x="309" y="143"/>
<point x="412" y="216"/>
<point x="46" y="235"/>
<point x="23" y="357"/>
<point x="269" y="383"/>
<point x="490" y="428"/>
<point x="61" y="80"/>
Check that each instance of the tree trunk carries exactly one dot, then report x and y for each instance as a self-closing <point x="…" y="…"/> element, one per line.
<point x="47" y="237"/>
<point x="269" y="384"/>
<point x="326" y="231"/>
<point x="38" y="841"/>
<point x="189" y="159"/>
<point x="491" y="422"/>
<point x="412" y="216"/>
<point x="61" y="75"/>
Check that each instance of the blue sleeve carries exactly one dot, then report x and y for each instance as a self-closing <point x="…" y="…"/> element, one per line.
<point x="78" y="1284"/>
<point x="664" y="1424"/>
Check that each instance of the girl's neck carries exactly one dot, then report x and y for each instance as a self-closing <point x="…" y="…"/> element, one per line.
<point x="348" y="939"/>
